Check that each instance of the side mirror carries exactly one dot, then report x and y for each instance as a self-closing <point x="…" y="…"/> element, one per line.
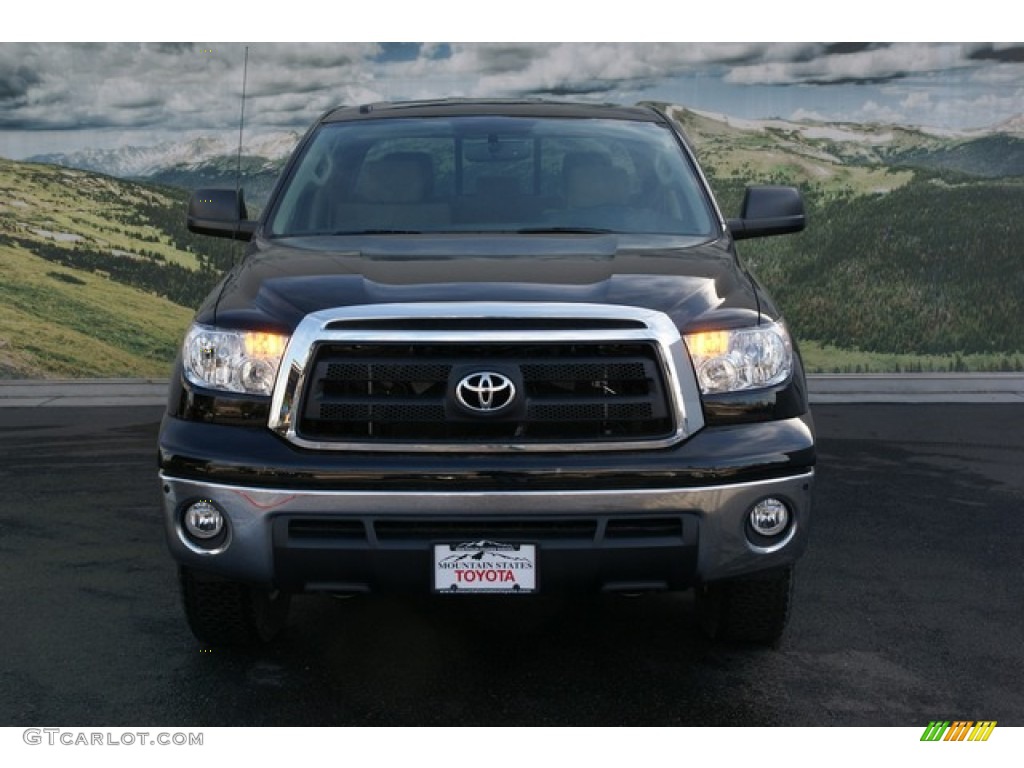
<point x="769" y="210"/>
<point x="219" y="213"/>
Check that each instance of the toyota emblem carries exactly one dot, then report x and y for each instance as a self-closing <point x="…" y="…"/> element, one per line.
<point x="485" y="392"/>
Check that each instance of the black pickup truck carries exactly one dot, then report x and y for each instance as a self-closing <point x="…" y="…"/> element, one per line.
<point x="488" y="347"/>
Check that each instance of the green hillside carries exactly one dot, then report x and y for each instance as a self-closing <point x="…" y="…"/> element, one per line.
<point x="991" y="156"/>
<point x="911" y="259"/>
<point x="931" y="268"/>
<point x="733" y="157"/>
<point x="98" y="276"/>
<point x="900" y="268"/>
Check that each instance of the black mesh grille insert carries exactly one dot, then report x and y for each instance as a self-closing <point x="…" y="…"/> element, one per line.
<point x="512" y="530"/>
<point x="328" y="528"/>
<point x="405" y="393"/>
<point x="644" y="527"/>
<point x="589" y="411"/>
<point x="334" y="529"/>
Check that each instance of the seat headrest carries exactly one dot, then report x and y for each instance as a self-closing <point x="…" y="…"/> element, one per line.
<point x="401" y="177"/>
<point x="591" y="180"/>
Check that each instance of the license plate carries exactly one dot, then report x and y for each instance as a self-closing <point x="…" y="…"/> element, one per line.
<point x="485" y="566"/>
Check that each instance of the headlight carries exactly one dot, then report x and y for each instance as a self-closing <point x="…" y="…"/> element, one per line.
<point x="747" y="358"/>
<point x="235" y="361"/>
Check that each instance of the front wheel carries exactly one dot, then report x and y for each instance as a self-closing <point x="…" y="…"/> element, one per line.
<point x="750" y="609"/>
<point x="222" y="612"/>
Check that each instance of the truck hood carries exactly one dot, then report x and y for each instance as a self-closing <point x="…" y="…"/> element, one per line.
<point x="698" y="284"/>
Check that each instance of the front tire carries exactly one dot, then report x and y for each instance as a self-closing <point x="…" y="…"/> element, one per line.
<point x="222" y="612"/>
<point x="750" y="609"/>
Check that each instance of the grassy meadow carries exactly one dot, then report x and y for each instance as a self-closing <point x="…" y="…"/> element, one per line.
<point x="910" y="262"/>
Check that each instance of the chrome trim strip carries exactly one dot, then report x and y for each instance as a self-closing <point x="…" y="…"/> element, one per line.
<point x="638" y="500"/>
<point x="680" y="383"/>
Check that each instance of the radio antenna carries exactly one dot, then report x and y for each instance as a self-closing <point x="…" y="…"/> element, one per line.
<point x="241" y="122"/>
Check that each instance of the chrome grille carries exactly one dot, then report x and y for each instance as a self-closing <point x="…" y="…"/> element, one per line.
<point x="587" y="377"/>
<point x="403" y="392"/>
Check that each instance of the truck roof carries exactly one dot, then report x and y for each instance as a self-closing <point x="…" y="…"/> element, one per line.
<point x="509" y="107"/>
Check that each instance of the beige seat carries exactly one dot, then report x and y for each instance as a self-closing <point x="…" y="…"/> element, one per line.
<point x="591" y="181"/>
<point x="393" y="193"/>
<point x="401" y="177"/>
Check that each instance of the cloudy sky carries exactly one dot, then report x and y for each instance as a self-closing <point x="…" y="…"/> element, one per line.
<point x="64" y="97"/>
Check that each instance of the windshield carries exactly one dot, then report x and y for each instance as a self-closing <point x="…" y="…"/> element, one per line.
<point x="491" y="174"/>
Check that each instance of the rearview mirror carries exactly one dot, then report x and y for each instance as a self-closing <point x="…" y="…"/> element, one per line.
<point x="495" y="148"/>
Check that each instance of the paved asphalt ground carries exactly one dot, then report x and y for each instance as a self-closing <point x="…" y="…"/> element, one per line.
<point x="908" y="604"/>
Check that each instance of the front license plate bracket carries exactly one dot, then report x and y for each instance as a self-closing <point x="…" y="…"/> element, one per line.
<point x="476" y="567"/>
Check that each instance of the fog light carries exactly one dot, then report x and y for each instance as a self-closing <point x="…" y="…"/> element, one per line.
<point x="203" y="520"/>
<point x="769" y="517"/>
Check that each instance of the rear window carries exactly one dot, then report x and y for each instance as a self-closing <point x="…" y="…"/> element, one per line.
<point x="491" y="174"/>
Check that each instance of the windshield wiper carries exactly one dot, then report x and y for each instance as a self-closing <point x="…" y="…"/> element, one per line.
<point x="564" y="231"/>
<point x="377" y="232"/>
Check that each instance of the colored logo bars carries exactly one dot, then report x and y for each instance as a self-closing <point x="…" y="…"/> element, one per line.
<point x="960" y="730"/>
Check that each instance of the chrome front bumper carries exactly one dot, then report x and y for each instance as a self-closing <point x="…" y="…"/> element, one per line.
<point x="719" y="538"/>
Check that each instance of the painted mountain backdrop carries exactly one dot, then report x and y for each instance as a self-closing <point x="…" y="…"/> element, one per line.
<point x="911" y="261"/>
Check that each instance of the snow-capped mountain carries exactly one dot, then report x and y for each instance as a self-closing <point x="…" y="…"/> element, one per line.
<point x="212" y="161"/>
<point x="141" y="162"/>
<point x="1014" y="125"/>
